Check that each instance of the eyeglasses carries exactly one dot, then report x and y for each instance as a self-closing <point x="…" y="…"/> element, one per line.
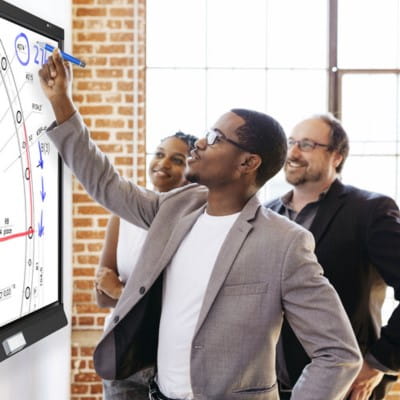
<point x="213" y="136"/>
<point x="305" y="144"/>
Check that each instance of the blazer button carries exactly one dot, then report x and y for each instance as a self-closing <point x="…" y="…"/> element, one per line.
<point x="142" y="290"/>
<point x="116" y="319"/>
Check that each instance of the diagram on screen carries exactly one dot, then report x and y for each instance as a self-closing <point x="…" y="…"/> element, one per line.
<point x="28" y="178"/>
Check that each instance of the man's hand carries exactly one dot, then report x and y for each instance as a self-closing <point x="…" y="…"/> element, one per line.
<point x="366" y="381"/>
<point x="55" y="79"/>
<point x="108" y="282"/>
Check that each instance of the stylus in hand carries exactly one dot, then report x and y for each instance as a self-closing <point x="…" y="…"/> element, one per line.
<point x="65" y="56"/>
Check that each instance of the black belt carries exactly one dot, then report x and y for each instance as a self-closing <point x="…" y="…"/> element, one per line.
<point x="155" y="392"/>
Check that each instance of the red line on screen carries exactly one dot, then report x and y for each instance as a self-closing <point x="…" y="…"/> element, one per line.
<point x="15" y="235"/>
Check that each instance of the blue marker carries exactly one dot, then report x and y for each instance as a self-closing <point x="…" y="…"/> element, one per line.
<point x="65" y="56"/>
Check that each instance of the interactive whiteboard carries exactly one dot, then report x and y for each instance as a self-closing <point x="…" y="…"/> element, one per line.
<point x="30" y="178"/>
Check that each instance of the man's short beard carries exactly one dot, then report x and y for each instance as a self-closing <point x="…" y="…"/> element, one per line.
<point x="297" y="181"/>
<point x="300" y="180"/>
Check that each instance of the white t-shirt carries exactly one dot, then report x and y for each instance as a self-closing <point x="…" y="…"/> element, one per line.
<point x="185" y="283"/>
<point x="130" y="242"/>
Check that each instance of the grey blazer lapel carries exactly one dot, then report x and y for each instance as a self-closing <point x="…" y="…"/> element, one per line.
<point x="142" y="277"/>
<point x="231" y="246"/>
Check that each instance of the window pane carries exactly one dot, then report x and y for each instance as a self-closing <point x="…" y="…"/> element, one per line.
<point x="294" y="95"/>
<point x="276" y="187"/>
<point x="368" y="34"/>
<point x="374" y="173"/>
<point x="236" y="33"/>
<point x="297" y="33"/>
<point x="370" y="111"/>
<point x="175" y="101"/>
<point x="175" y="33"/>
<point x="228" y="89"/>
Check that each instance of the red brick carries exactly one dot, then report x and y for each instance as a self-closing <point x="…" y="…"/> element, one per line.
<point x="114" y="24"/>
<point x="95" y="61"/>
<point x="82" y="49"/>
<point x="102" y="222"/>
<point x="110" y="148"/>
<point x="124" y="110"/>
<point x="91" y="12"/>
<point x="87" y="377"/>
<point x="113" y="98"/>
<point x="123" y="160"/>
<point x="80" y="297"/>
<point x="124" y="136"/>
<point x="82" y="73"/>
<point x="94" y="85"/>
<point x="129" y="24"/>
<point x="87" y="351"/>
<point x="110" y="48"/>
<point x="121" y="12"/>
<point x="121" y="61"/>
<point x="109" y="73"/>
<point x="88" y="309"/>
<point x="81" y="198"/>
<point x="96" y="389"/>
<point x="91" y="36"/>
<point x="79" y="389"/>
<point x="99" y="135"/>
<point x="83" y="271"/>
<point x="94" y="98"/>
<point x="95" y="246"/>
<point x="85" y="321"/>
<point x="84" y="284"/>
<point x="121" y="37"/>
<point x="96" y="110"/>
<point x="127" y="85"/>
<point x="89" y="259"/>
<point x="78" y="24"/>
<point x="83" y="222"/>
<point x="78" y="247"/>
<point x="81" y="234"/>
<point x="109" y="123"/>
<point x="92" y="210"/>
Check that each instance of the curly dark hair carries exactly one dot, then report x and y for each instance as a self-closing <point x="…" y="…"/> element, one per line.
<point x="190" y="140"/>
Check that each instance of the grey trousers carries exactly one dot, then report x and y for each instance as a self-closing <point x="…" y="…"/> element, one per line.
<point x="134" y="387"/>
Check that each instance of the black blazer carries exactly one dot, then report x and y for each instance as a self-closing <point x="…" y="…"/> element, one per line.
<point x="357" y="235"/>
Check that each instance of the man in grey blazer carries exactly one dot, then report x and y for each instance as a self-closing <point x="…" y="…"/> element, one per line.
<point x="217" y="271"/>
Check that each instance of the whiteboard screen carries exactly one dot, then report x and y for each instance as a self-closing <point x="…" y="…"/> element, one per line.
<point x="29" y="178"/>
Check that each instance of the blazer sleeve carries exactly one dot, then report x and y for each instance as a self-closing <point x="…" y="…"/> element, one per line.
<point x="316" y="315"/>
<point x="383" y="248"/>
<point x="99" y="177"/>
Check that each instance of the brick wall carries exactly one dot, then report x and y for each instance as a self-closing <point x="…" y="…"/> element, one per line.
<point x="109" y="36"/>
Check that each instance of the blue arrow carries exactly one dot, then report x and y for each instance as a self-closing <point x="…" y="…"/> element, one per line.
<point x="40" y="225"/>
<point x="41" y="159"/>
<point x="42" y="192"/>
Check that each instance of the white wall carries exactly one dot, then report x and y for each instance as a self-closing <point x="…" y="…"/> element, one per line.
<point x="42" y="371"/>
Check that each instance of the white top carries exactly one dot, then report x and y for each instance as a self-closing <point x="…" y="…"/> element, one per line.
<point x="185" y="283"/>
<point x="130" y="242"/>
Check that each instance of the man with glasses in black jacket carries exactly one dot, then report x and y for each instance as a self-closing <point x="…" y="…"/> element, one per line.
<point x="357" y="236"/>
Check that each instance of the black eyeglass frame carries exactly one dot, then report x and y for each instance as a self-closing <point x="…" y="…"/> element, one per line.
<point x="308" y="142"/>
<point x="213" y="134"/>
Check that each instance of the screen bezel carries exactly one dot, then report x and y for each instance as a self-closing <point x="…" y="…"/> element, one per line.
<point x="50" y="318"/>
